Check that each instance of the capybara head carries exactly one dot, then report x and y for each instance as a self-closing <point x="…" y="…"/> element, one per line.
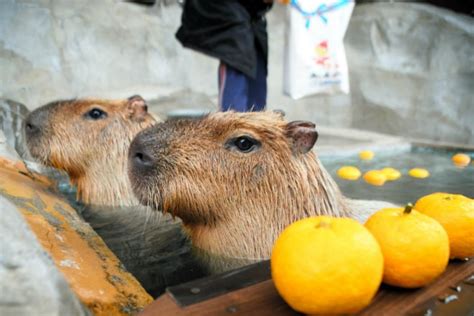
<point x="89" y="139"/>
<point x="245" y="176"/>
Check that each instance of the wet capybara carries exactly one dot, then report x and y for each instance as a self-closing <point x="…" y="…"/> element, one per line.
<point x="89" y="139"/>
<point x="236" y="180"/>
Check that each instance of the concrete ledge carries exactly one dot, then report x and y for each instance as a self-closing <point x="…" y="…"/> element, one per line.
<point x="93" y="272"/>
<point x="345" y="142"/>
<point x="30" y="284"/>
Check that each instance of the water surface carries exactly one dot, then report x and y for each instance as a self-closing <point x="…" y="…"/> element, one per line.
<point x="445" y="177"/>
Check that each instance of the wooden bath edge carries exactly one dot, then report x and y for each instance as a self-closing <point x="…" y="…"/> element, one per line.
<point x="250" y="291"/>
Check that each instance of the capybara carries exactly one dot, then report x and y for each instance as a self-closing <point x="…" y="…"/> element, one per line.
<point x="236" y="180"/>
<point x="89" y="139"/>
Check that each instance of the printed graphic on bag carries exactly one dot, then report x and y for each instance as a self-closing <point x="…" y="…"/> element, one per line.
<point x="315" y="60"/>
<point x="325" y="65"/>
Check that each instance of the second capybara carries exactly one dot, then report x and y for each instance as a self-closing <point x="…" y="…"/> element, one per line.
<point x="236" y="180"/>
<point x="89" y="139"/>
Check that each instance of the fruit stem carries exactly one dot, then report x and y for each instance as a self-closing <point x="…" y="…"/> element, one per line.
<point x="408" y="208"/>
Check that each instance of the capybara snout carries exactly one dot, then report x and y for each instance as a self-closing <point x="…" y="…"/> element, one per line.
<point x="35" y="127"/>
<point x="142" y="156"/>
<point x="154" y="154"/>
<point x="35" y="122"/>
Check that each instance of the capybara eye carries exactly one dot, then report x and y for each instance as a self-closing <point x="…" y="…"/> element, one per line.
<point x="96" y="114"/>
<point x="245" y="144"/>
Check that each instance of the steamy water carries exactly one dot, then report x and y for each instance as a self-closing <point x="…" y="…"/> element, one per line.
<point x="444" y="176"/>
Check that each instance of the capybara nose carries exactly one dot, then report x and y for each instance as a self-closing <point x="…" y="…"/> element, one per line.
<point x="31" y="128"/>
<point x="139" y="157"/>
<point x="35" y="122"/>
<point x="142" y="158"/>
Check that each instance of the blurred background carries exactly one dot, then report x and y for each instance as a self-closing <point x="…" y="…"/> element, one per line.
<point x="411" y="65"/>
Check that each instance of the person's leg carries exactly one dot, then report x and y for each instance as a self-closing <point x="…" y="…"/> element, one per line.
<point x="257" y="97"/>
<point x="233" y="89"/>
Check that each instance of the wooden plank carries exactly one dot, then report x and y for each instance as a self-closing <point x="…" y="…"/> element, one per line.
<point x="263" y="299"/>
<point x="259" y="299"/>
<point x="200" y="290"/>
<point x="396" y="301"/>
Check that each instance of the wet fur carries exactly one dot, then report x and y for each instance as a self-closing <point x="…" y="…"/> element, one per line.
<point x="94" y="154"/>
<point x="233" y="204"/>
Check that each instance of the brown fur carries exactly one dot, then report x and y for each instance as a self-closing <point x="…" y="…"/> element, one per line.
<point x="94" y="154"/>
<point x="233" y="204"/>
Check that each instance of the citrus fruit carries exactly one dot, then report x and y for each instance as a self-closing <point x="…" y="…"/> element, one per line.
<point x="348" y="173"/>
<point x="326" y="265"/>
<point x="456" y="213"/>
<point x="391" y="173"/>
<point x="375" y="177"/>
<point x="419" y="173"/>
<point x="415" y="247"/>
<point x="366" y="155"/>
<point x="461" y="160"/>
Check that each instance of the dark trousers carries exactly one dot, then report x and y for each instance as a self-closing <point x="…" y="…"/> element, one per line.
<point x="241" y="93"/>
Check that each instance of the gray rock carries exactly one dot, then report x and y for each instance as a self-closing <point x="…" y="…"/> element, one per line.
<point x="6" y="151"/>
<point x="30" y="284"/>
<point x="63" y="49"/>
<point x="412" y="71"/>
<point x="12" y="115"/>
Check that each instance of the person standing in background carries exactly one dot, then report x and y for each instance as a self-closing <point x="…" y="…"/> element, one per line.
<point x="235" y="32"/>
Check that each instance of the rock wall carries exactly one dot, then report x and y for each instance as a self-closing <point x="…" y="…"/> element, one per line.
<point x="412" y="71"/>
<point x="62" y="49"/>
<point x="30" y="284"/>
<point x="12" y="116"/>
<point x="411" y="65"/>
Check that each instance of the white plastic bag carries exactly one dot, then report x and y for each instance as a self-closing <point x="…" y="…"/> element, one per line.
<point x="315" y="60"/>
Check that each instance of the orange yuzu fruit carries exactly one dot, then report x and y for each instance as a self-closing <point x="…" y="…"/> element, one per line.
<point x="326" y="265"/>
<point x="456" y="213"/>
<point x="415" y="246"/>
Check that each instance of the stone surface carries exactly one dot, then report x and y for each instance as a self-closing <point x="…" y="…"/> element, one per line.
<point x="12" y="115"/>
<point x="63" y="49"/>
<point x="30" y="284"/>
<point x="412" y="71"/>
<point x="333" y="142"/>
<point x="7" y="150"/>
<point x="411" y="65"/>
<point x="92" y="271"/>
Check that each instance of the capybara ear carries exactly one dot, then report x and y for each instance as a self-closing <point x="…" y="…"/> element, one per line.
<point x="137" y="106"/>
<point x="302" y="135"/>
